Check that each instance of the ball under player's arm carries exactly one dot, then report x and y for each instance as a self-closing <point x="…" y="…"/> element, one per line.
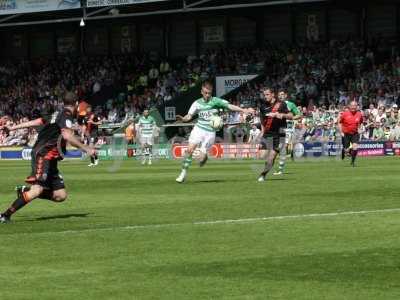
<point x="33" y="123"/>
<point x="69" y="136"/>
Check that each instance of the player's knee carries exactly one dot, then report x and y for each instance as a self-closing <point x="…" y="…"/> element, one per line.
<point x="34" y="191"/>
<point x="60" y="196"/>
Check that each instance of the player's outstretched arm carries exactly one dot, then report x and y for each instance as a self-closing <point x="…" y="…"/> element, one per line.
<point x="287" y="116"/>
<point x="33" y="123"/>
<point x="184" y="119"/>
<point x="96" y="123"/>
<point x="69" y="136"/>
<point x="232" y="107"/>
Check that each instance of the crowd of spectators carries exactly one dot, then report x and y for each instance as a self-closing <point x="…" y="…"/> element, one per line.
<point x="131" y="83"/>
<point x="321" y="78"/>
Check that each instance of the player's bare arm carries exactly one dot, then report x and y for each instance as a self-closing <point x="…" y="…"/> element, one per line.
<point x="95" y="123"/>
<point x="33" y="123"/>
<point x="184" y="119"/>
<point x="69" y="136"/>
<point x="232" y="107"/>
<point x="340" y="126"/>
<point x="288" y="116"/>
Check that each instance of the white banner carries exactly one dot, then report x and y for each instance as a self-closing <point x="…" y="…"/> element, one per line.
<point x="8" y="7"/>
<point x="226" y="84"/>
<point x="213" y="34"/>
<point x="96" y="3"/>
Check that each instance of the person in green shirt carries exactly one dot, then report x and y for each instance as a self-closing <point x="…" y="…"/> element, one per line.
<point x="203" y="134"/>
<point x="146" y="126"/>
<point x="290" y="128"/>
<point x="378" y="133"/>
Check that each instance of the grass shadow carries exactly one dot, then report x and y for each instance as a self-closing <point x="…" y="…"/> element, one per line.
<point x="65" y="216"/>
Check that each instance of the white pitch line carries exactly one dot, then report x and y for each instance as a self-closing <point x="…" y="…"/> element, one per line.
<point x="216" y="222"/>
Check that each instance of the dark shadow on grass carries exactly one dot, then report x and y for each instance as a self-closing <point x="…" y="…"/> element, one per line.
<point x="211" y="181"/>
<point x="66" y="216"/>
<point x="278" y="179"/>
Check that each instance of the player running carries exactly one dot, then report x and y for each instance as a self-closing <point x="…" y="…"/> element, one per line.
<point x="146" y="127"/>
<point x="46" y="181"/>
<point x="274" y="113"/>
<point x="288" y="146"/>
<point x="203" y="135"/>
<point x="92" y="129"/>
<point x="349" y="123"/>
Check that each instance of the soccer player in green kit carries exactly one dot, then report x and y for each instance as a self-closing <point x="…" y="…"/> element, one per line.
<point x="146" y="125"/>
<point x="290" y="127"/>
<point x="203" y="135"/>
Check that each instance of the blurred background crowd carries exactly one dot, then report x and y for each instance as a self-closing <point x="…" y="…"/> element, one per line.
<point x="320" y="78"/>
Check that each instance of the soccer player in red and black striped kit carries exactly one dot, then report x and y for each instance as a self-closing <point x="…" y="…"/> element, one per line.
<point x="50" y="147"/>
<point x="350" y="122"/>
<point x="92" y="127"/>
<point x="274" y="114"/>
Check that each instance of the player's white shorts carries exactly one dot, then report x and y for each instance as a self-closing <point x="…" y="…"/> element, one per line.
<point x="143" y="140"/>
<point x="205" y="139"/>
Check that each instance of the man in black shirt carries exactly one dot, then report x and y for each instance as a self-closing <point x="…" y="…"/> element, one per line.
<point x="93" y="122"/>
<point x="50" y="147"/>
<point x="274" y="114"/>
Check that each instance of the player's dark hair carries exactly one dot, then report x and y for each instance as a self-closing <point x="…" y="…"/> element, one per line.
<point x="268" y="88"/>
<point x="282" y="90"/>
<point x="207" y="84"/>
<point x="69" y="99"/>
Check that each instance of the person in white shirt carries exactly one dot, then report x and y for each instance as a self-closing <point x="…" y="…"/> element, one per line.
<point x="373" y="110"/>
<point x="153" y="76"/>
<point x="380" y="115"/>
<point x="112" y="115"/>
<point x="254" y="134"/>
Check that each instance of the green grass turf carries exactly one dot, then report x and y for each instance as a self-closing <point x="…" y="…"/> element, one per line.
<point x="82" y="249"/>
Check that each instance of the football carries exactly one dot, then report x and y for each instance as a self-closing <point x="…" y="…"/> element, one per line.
<point x="216" y="122"/>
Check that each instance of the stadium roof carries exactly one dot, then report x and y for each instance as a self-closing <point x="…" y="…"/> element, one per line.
<point x="157" y="7"/>
<point x="140" y="9"/>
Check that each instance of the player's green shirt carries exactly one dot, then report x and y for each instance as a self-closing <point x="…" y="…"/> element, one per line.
<point x="290" y="124"/>
<point x="292" y="108"/>
<point x="146" y="125"/>
<point x="205" y="110"/>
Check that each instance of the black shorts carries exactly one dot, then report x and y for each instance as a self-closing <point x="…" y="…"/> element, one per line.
<point x="93" y="137"/>
<point x="272" y="141"/>
<point x="350" y="138"/>
<point x="45" y="173"/>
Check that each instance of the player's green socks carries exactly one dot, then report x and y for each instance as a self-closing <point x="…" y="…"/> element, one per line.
<point x="187" y="162"/>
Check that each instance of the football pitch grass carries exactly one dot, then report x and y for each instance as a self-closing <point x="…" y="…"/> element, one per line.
<point x="322" y="231"/>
